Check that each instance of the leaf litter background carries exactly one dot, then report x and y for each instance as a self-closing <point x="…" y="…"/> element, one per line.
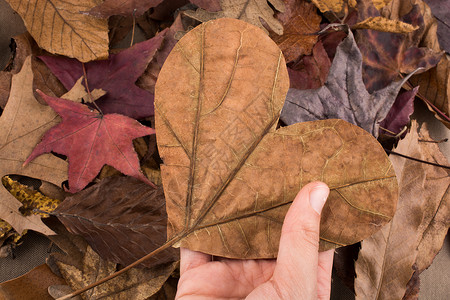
<point x="432" y="291"/>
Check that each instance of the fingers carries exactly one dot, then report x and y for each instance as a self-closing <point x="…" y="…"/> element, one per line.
<point x="299" y="244"/>
<point x="324" y="274"/>
<point x="191" y="259"/>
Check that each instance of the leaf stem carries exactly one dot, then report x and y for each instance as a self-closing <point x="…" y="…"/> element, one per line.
<point x="134" y="27"/>
<point x="166" y="245"/>
<point x="417" y="159"/>
<point x="89" y="91"/>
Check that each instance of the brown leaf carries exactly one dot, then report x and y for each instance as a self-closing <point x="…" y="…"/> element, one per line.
<point x="300" y="20"/>
<point x="110" y="8"/>
<point x="311" y="71"/>
<point x="121" y="218"/>
<point x="385" y="261"/>
<point x="80" y="265"/>
<point x="23" y="122"/>
<point x="31" y="286"/>
<point x="79" y="94"/>
<point x="251" y="11"/>
<point x="5" y="86"/>
<point x="386" y="25"/>
<point x="59" y="27"/>
<point x="413" y="286"/>
<point x="436" y="213"/>
<point x="229" y="176"/>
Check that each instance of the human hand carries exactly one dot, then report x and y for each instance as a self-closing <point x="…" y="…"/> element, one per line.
<point x="299" y="272"/>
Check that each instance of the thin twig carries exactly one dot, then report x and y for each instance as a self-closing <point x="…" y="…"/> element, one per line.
<point x="134" y="27"/>
<point x="417" y="159"/>
<point x="89" y="92"/>
<point x="432" y="141"/>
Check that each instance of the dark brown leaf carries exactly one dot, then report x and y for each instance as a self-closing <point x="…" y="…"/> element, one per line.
<point x="229" y="176"/>
<point x="121" y="218"/>
<point x="124" y="8"/>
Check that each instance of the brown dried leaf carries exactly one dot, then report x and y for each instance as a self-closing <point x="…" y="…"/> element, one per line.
<point x="110" y="8"/>
<point x="437" y="211"/>
<point x="59" y="27"/>
<point x="300" y="20"/>
<point x="31" y="286"/>
<point x="385" y="261"/>
<point x="23" y="122"/>
<point x="229" y="176"/>
<point x="115" y="216"/>
<point x="79" y="94"/>
<point x="5" y="86"/>
<point x="251" y="11"/>
<point x="329" y="5"/>
<point x="386" y="25"/>
<point x="80" y="265"/>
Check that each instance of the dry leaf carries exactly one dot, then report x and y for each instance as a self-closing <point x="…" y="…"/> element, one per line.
<point x="300" y="21"/>
<point x="31" y="286"/>
<point x="110" y="8"/>
<point x="329" y="5"/>
<point x="229" y="176"/>
<point x="121" y="218"/>
<point x="251" y="11"/>
<point x="59" y="27"/>
<point x="79" y="94"/>
<point x="385" y="261"/>
<point x="386" y="25"/>
<point x="340" y="99"/>
<point x="441" y="10"/>
<point x="23" y="122"/>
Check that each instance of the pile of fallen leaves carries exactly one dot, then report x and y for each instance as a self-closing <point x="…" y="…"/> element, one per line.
<point x="249" y="100"/>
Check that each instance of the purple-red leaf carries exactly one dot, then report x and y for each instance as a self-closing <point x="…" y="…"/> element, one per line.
<point x="398" y="117"/>
<point x="91" y="140"/>
<point x="117" y="76"/>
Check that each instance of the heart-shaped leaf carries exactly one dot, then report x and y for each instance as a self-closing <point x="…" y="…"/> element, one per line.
<point x="229" y="175"/>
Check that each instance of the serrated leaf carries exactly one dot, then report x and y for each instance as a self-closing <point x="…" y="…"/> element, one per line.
<point x="59" y="27"/>
<point x="229" y="176"/>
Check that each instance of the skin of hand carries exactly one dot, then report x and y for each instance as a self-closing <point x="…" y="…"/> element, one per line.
<point x="299" y="272"/>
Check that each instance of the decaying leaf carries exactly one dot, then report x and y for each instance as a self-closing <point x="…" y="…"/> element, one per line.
<point x="90" y="140"/>
<point x="79" y="94"/>
<point x="117" y="76"/>
<point x="300" y="21"/>
<point x="209" y="5"/>
<point x="343" y="96"/>
<point x="386" y="55"/>
<point x="398" y="116"/>
<point x="329" y="5"/>
<point x="110" y="8"/>
<point x="229" y="176"/>
<point x="251" y="11"/>
<point x="23" y="122"/>
<point x="31" y="286"/>
<point x="436" y="220"/>
<point x="80" y="265"/>
<point x="121" y="218"/>
<point x="441" y="10"/>
<point x="59" y="27"/>
<point x="385" y="261"/>
<point x="382" y="24"/>
<point x="311" y="71"/>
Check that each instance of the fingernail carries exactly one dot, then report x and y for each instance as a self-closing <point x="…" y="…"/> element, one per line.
<point x="317" y="197"/>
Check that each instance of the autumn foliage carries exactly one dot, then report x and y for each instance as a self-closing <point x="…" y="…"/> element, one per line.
<point x="202" y="128"/>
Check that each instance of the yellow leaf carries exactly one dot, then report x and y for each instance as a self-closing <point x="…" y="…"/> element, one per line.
<point x="386" y="25"/>
<point x="329" y="5"/>
<point x="60" y="27"/>
<point x="379" y="4"/>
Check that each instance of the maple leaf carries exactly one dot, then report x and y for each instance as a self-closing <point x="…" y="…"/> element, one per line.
<point x="343" y="96"/>
<point x="67" y="31"/>
<point x="117" y="76"/>
<point x="91" y="140"/>
<point x="124" y="8"/>
<point x="386" y="55"/>
<point x="22" y="124"/>
<point x="251" y="11"/>
<point x="229" y="176"/>
<point x="121" y="218"/>
<point x="300" y="20"/>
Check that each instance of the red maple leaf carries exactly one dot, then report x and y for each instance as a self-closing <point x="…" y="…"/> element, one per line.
<point x="90" y="140"/>
<point x="117" y="76"/>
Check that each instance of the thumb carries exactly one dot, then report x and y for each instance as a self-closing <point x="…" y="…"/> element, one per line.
<point x="299" y="243"/>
